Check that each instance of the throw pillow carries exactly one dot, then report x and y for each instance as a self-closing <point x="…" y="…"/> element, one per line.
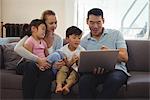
<point x="11" y="58"/>
<point x="9" y="40"/>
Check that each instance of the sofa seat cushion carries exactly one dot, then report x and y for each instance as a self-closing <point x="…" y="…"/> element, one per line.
<point x="10" y="80"/>
<point x="138" y="83"/>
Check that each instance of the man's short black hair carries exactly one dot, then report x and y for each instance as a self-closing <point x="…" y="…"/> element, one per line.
<point x="96" y="12"/>
<point x="73" y="30"/>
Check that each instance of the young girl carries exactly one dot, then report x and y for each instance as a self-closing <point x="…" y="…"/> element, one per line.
<point x="37" y="45"/>
<point x="35" y="42"/>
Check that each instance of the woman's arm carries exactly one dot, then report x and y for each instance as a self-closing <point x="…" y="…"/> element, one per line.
<point x="19" y="49"/>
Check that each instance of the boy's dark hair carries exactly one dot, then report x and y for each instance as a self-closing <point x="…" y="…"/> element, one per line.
<point x="27" y="28"/>
<point x="96" y="12"/>
<point x="73" y="30"/>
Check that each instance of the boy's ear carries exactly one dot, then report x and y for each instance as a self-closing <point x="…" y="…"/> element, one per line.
<point x="66" y="40"/>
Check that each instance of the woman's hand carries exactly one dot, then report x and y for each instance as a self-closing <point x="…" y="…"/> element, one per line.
<point x="42" y="62"/>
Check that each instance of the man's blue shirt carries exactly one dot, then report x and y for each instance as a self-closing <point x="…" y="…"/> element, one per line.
<point x="113" y="39"/>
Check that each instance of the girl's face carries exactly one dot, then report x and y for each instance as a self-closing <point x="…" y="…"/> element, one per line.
<point x="51" y="22"/>
<point x="40" y="31"/>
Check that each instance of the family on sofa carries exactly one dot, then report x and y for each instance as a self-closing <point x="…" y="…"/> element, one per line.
<point x="38" y="74"/>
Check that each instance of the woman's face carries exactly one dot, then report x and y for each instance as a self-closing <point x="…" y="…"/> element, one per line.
<point x="51" y="22"/>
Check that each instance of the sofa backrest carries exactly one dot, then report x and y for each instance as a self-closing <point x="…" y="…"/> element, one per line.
<point x="139" y="55"/>
<point x="1" y="58"/>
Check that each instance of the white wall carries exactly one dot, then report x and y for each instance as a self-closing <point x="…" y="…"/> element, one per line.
<point x="23" y="11"/>
<point x="0" y="9"/>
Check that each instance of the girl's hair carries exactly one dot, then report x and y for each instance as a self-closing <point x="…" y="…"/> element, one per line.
<point x="36" y="23"/>
<point x="26" y="29"/>
<point x="47" y="12"/>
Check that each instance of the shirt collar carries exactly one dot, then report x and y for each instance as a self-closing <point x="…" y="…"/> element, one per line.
<point x="89" y="37"/>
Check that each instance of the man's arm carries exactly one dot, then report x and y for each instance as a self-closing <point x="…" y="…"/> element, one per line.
<point x="123" y="55"/>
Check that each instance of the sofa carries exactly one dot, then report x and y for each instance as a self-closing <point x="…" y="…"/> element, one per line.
<point x="137" y="86"/>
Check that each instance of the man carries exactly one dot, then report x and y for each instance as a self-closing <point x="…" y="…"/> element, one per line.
<point x="104" y="39"/>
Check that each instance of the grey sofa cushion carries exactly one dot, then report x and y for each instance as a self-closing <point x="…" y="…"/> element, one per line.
<point x="138" y="55"/>
<point x="1" y="59"/>
<point x="11" y="58"/>
<point x="138" y="83"/>
<point x="10" y="80"/>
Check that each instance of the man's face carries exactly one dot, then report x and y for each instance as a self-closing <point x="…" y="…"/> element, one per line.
<point x="95" y="24"/>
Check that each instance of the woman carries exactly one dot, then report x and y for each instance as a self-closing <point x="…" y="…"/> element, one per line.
<point x="37" y="83"/>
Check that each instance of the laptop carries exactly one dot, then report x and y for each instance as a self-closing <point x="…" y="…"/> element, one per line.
<point x="91" y="59"/>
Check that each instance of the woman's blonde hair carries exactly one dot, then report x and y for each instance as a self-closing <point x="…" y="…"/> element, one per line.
<point x="47" y="12"/>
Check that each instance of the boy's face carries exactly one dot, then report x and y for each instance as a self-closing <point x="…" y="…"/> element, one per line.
<point x="74" y="40"/>
<point x="40" y="31"/>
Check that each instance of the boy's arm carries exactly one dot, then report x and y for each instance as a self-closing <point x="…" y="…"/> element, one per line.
<point x="74" y="59"/>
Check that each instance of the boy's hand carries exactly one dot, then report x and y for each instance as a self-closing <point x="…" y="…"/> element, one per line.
<point x="74" y="59"/>
<point x="59" y="64"/>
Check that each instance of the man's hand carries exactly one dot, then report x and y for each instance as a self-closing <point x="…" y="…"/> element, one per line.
<point x="98" y="70"/>
<point x="104" y="48"/>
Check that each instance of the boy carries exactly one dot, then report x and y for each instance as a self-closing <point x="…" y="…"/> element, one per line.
<point x="67" y="75"/>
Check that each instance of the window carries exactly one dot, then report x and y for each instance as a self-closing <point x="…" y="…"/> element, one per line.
<point x="131" y="17"/>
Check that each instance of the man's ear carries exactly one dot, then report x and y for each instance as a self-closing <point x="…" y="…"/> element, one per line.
<point x="87" y="21"/>
<point x="66" y="40"/>
<point x="103" y="20"/>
